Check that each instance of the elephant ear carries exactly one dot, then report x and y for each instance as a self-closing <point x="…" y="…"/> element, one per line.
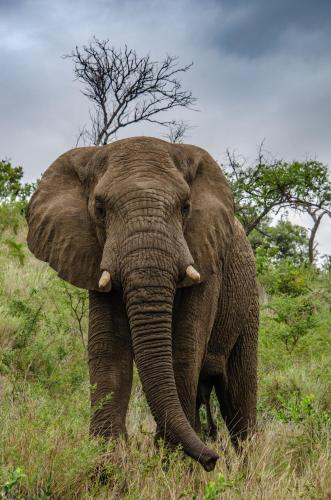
<point x="209" y="229"/>
<point x="61" y="231"/>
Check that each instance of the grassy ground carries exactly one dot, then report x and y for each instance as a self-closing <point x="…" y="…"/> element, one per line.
<point x="45" y="451"/>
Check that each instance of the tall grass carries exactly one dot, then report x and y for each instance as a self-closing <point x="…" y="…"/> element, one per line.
<point x="45" y="450"/>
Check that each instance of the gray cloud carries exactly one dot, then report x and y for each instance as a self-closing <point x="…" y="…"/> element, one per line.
<point x="261" y="70"/>
<point x="256" y="28"/>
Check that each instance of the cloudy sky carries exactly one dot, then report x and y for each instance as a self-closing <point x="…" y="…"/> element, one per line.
<point x="262" y="70"/>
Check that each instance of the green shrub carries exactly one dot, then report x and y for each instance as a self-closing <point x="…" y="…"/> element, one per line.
<point x="288" y="279"/>
<point x="14" y="195"/>
<point x="14" y="479"/>
<point x="215" y="488"/>
<point x="15" y="250"/>
<point x="298" y="410"/>
<point x="295" y="318"/>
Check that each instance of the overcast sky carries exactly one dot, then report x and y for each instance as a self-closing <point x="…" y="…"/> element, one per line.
<point x="262" y="70"/>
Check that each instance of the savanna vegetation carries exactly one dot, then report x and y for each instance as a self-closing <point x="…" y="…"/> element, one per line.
<point x="45" y="450"/>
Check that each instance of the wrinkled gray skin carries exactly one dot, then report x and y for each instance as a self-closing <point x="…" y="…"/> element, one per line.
<point x="144" y="210"/>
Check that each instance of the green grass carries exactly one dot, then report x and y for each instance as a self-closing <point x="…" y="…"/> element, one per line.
<point x="45" y="450"/>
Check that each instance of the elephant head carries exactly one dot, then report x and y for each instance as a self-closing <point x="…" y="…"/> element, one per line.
<point x="144" y="216"/>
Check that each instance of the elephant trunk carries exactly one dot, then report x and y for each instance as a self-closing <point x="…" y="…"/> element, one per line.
<point x="149" y="284"/>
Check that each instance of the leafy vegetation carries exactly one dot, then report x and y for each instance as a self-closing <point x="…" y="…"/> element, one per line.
<point x="45" y="450"/>
<point x="282" y="241"/>
<point x="271" y="186"/>
<point x="14" y="195"/>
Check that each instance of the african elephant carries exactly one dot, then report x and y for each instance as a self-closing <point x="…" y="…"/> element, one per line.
<point x="148" y="227"/>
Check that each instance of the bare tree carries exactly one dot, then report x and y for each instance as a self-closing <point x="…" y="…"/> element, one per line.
<point x="176" y="131"/>
<point x="81" y="136"/>
<point x="125" y="88"/>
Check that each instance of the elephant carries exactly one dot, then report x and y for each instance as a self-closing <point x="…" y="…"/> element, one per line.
<point x="148" y="228"/>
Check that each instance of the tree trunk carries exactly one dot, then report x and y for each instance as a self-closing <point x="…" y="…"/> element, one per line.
<point x="311" y="243"/>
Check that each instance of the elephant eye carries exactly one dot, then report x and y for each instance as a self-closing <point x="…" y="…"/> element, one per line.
<point x="100" y="211"/>
<point x="186" y="208"/>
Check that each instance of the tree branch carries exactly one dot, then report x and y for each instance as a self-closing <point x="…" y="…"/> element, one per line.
<point x="126" y="89"/>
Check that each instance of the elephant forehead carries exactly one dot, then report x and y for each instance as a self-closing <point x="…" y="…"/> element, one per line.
<point x="138" y="150"/>
<point x="137" y="195"/>
<point x="143" y="181"/>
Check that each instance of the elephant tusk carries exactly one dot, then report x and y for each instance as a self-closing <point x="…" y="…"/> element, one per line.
<point x="104" y="280"/>
<point x="193" y="274"/>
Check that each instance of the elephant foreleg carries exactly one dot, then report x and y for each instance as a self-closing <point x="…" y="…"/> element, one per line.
<point x="194" y="316"/>
<point x="110" y="364"/>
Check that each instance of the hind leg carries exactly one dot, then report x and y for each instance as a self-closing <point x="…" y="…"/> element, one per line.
<point x="235" y="335"/>
<point x="203" y="398"/>
<point x="236" y="390"/>
<point x="212" y="428"/>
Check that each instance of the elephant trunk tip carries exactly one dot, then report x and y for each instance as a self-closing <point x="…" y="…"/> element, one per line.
<point x="208" y="460"/>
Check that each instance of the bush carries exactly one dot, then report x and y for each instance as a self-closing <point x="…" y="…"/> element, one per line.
<point x="295" y="318"/>
<point x="215" y="488"/>
<point x="298" y="410"/>
<point x="14" y="196"/>
<point x="287" y="279"/>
